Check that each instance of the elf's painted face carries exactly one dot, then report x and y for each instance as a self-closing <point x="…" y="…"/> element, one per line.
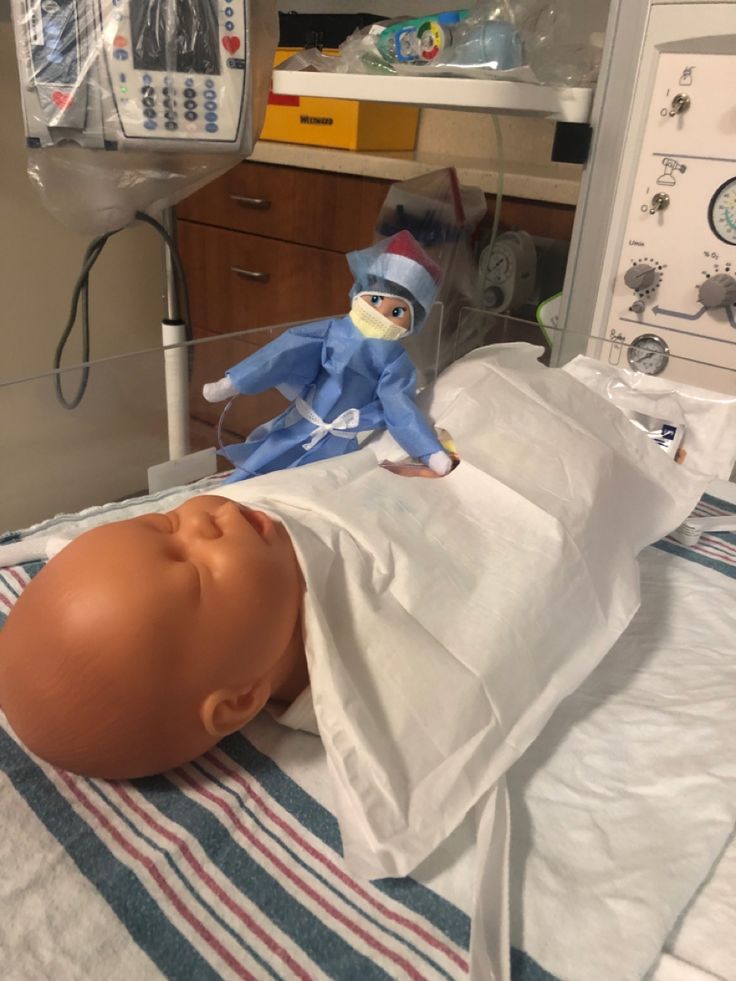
<point x="395" y="309"/>
<point x="381" y="316"/>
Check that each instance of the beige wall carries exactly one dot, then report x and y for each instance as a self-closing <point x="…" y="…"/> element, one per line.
<point x="51" y="459"/>
<point x="40" y="260"/>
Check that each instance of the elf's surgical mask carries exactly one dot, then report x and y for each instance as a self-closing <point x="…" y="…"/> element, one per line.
<point x="372" y="322"/>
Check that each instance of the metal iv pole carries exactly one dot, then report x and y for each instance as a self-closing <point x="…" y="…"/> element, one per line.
<point x="176" y="355"/>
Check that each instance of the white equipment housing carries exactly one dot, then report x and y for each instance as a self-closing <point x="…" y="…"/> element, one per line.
<point x="652" y="268"/>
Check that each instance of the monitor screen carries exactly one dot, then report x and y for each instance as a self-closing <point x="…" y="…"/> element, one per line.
<point x="175" y="36"/>
<point x="54" y="47"/>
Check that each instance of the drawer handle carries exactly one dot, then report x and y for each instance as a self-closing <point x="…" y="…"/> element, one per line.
<point x="258" y="204"/>
<point x="258" y="277"/>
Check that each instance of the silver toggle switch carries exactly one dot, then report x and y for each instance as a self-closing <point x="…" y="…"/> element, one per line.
<point x="680" y="104"/>
<point x="660" y="201"/>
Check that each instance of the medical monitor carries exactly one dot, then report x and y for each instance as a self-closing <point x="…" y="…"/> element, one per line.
<point x="158" y="74"/>
<point x="177" y="68"/>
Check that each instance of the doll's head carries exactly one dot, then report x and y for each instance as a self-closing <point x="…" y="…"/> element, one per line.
<point x="396" y="283"/>
<point x="145" y="642"/>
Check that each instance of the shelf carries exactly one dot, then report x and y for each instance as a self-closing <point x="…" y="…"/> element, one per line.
<point x="567" y="105"/>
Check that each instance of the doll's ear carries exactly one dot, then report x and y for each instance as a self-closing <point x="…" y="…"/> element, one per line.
<point x="228" y="709"/>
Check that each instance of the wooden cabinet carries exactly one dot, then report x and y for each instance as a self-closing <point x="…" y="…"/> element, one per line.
<point x="309" y="207"/>
<point x="240" y="281"/>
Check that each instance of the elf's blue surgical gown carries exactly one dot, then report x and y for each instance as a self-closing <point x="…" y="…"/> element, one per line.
<point x="333" y="368"/>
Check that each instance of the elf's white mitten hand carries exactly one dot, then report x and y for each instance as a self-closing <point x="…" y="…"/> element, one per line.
<point x="220" y="390"/>
<point x="439" y="463"/>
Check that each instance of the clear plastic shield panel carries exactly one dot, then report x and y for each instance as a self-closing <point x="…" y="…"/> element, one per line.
<point x="55" y="460"/>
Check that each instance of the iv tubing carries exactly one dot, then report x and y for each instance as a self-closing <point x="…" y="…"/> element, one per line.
<point x="499" y="185"/>
<point x="177" y="297"/>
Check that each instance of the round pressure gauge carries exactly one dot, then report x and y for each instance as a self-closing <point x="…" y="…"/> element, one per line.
<point x="500" y="265"/>
<point x="508" y="271"/>
<point x="722" y="212"/>
<point x="649" y="354"/>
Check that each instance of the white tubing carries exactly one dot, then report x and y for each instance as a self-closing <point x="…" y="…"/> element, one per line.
<point x="690" y="530"/>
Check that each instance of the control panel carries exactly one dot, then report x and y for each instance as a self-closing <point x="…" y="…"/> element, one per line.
<point x="673" y="308"/>
<point x="124" y="73"/>
<point x="182" y="80"/>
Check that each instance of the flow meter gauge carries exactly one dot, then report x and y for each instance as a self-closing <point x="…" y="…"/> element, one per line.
<point x="648" y="354"/>
<point x="722" y="212"/>
<point x="508" y="271"/>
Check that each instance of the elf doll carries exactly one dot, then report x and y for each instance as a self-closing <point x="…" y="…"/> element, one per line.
<point x="346" y="375"/>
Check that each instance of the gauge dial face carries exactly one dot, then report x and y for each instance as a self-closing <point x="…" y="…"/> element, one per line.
<point x="722" y="212"/>
<point x="649" y="354"/>
<point x="499" y="267"/>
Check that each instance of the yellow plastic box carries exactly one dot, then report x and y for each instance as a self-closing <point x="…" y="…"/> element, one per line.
<point x="340" y="123"/>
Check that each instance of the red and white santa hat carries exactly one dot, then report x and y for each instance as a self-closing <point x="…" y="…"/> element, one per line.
<point x="400" y="260"/>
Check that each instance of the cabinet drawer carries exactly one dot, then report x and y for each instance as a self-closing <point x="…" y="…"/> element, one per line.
<point x="310" y="207"/>
<point x="239" y="281"/>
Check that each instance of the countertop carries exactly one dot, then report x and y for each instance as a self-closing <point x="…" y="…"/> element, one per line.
<point x="465" y="140"/>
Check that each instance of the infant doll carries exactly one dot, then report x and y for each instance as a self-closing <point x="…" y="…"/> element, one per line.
<point x="433" y="625"/>
<point x="145" y="642"/>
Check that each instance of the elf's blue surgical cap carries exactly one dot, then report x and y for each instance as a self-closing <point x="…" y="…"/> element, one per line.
<point x="397" y="266"/>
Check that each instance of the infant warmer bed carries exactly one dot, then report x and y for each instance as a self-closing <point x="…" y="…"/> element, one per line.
<point x="622" y="815"/>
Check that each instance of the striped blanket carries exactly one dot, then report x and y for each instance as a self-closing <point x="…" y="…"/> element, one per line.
<point x="226" y="868"/>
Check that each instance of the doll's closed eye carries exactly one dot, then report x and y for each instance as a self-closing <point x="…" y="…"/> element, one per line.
<point x="165" y="523"/>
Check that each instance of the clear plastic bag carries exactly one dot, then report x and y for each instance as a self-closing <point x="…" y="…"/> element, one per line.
<point x="524" y="40"/>
<point x="563" y="39"/>
<point x="695" y="426"/>
<point x="443" y="217"/>
<point x="132" y="104"/>
<point x="451" y="40"/>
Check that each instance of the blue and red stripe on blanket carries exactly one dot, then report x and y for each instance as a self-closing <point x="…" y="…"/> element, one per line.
<point x="715" y="551"/>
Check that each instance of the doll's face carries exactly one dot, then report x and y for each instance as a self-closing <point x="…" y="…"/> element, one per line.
<point x="215" y="578"/>
<point x="216" y="571"/>
<point x="114" y="651"/>
<point x="394" y="308"/>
